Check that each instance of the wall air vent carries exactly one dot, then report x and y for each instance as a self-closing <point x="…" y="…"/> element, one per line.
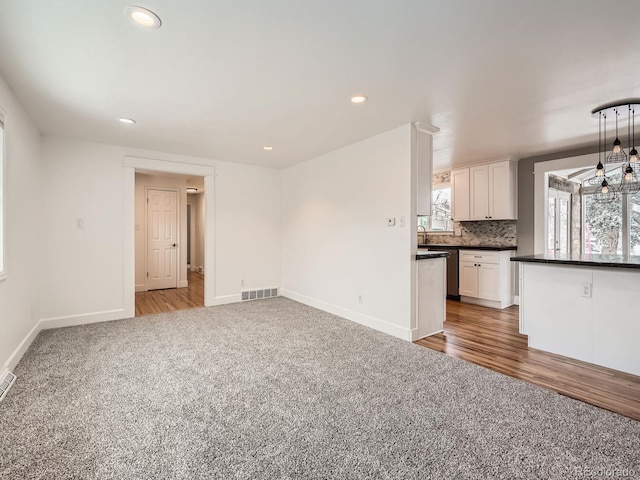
<point x="6" y="383"/>
<point x="259" y="294"/>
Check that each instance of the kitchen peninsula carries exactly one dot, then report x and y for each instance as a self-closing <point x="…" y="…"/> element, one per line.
<point x="583" y="307"/>
<point x="431" y="293"/>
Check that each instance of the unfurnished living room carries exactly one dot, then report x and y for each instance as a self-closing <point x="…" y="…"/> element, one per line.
<point x="283" y="239"/>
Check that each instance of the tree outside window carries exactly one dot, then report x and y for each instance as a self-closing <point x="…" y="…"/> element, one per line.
<point x="605" y="223"/>
<point x="441" y="210"/>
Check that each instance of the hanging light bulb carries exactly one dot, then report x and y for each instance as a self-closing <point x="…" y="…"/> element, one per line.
<point x="622" y="168"/>
<point x="616" y="145"/>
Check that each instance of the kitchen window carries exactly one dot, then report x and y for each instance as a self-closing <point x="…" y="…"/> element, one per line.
<point x="611" y="227"/>
<point x="440" y="220"/>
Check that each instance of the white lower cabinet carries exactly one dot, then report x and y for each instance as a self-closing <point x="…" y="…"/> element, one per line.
<point x="485" y="278"/>
<point x="468" y="281"/>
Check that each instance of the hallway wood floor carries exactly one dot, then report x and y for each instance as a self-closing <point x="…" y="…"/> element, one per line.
<point x="490" y="338"/>
<point x="170" y="299"/>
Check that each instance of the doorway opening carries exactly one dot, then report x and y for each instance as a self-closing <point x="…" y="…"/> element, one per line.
<point x="169" y="242"/>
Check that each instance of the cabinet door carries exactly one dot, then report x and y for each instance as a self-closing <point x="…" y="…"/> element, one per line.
<point x="460" y="194"/>
<point x="479" y="192"/>
<point x="488" y="281"/>
<point x="501" y="191"/>
<point x="468" y="279"/>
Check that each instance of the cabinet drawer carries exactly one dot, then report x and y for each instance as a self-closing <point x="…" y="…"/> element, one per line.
<point x="479" y="256"/>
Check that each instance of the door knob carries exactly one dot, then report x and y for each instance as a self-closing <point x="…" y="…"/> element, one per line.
<point x="174" y="244"/>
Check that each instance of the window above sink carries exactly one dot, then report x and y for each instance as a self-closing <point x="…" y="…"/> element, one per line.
<point x="440" y="219"/>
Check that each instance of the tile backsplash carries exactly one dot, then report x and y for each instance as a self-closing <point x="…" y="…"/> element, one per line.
<point x="485" y="232"/>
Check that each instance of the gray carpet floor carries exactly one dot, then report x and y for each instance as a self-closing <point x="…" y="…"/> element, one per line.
<point x="275" y="389"/>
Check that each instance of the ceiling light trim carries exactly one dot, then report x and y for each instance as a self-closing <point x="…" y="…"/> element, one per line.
<point x="143" y="17"/>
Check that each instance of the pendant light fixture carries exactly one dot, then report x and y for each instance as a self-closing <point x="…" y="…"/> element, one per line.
<point x="616" y="173"/>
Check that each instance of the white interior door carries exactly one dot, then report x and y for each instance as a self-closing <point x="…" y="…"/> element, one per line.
<point x="162" y="239"/>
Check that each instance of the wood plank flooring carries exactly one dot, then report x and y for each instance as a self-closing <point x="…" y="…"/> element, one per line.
<point x="490" y="338"/>
<point x="159" y="301"/>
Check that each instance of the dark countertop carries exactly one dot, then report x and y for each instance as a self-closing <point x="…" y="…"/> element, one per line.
<point x="497" y="248"/>
<point x="592" y="260"/>
<point x="426" y="254"/>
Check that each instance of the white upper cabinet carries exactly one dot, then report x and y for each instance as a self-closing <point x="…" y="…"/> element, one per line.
<point x="423" y="151"/>
<point x="479" y="192"/>
<point x="460" y="194"/>
<point x="486" y="192"/>
<point x="503" y="201"/>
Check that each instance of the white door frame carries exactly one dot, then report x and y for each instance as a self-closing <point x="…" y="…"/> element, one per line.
<point x="553" y="196"/>
<point x="541" y="172"/>
<point x="130" y="164"/>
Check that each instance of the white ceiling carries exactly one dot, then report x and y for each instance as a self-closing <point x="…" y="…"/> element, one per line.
<point x="222" y="78"/>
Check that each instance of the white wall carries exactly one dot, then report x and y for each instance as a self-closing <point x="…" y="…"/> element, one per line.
<point x="336" y="244"/>
<point x="143" y="182"/>
<point x="82" y="272"/>
<point x="247" y="229"/>
<point x="23" y="235"/>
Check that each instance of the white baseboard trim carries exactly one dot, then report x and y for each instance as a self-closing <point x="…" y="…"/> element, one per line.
<point x="83" y="318"/>
<point x="17" y="354"/>
<point x="483" y="302"/>
<point x="141" y="288"/>
<point x="362" y="319"/>
<point x="183" y="284"/>
<point x="516" y="299"/>
<point x="225" y="300"/>
<point x="414" y="334"/>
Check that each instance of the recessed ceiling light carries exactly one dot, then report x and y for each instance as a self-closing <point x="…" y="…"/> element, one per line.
<point x="358" y="98"/>
<point x="142" y="17"/>
<point x="128" y="121"/>
<point x="268" y="147"/>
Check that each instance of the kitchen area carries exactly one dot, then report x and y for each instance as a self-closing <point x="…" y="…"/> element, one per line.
<point x="473" y="221"/>
<point x="542" y="319"/>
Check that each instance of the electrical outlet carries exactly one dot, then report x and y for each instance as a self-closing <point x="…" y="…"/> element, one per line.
<point x="402" y="221"/>
<point x="391" y="222"/>
<point x="360" y="299"/>
<point x="586" y="290"/>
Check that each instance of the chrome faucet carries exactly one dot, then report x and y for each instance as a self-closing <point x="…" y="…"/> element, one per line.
<point x="423" y="236"/>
